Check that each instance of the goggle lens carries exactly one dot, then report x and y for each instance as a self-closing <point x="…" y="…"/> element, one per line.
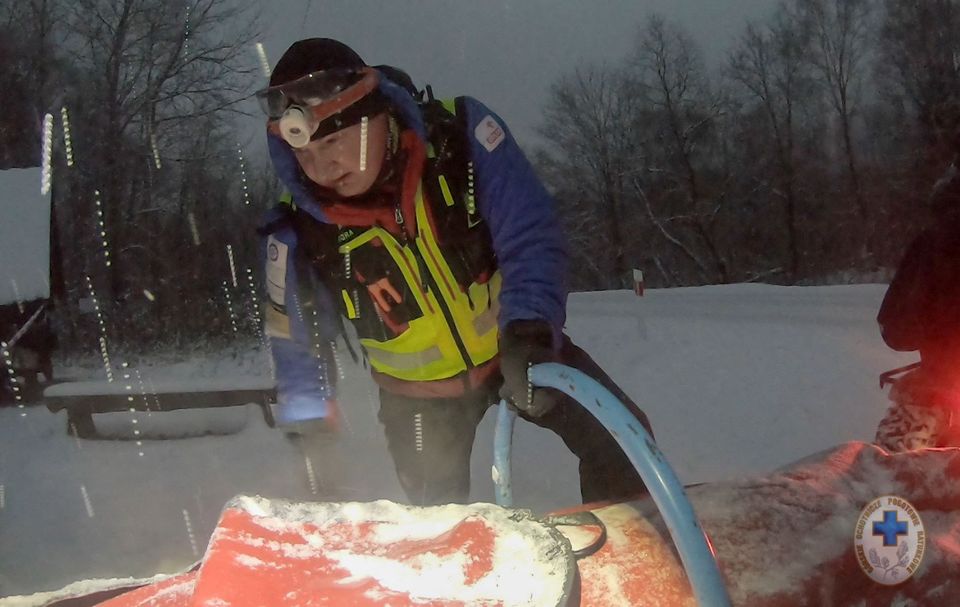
<point x="310" y="90"/>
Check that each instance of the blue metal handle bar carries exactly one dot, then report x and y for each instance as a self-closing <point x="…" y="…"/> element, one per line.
<point x="664" y="486"/>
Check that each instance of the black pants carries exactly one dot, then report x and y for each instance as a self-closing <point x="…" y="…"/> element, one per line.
<point x="431" y="439"/>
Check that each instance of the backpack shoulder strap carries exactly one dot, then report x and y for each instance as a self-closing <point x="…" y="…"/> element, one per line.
<point x="449" y="153"/>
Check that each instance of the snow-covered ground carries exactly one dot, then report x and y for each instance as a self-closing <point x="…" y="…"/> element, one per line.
<point x="737" y="380"/>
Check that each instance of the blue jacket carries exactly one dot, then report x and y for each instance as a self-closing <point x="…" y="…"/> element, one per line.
<point x="520" y="214"/>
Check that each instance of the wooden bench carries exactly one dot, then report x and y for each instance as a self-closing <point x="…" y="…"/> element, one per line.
<point x="82" y="399"/>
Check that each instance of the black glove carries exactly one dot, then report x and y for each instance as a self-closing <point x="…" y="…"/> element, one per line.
<point x="524" y="343"/>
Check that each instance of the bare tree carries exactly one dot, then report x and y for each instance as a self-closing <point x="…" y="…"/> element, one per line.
<point x="154" y="72"/>
<point x="591" y="157"/>
<point x="33" y="27"/>
<point x="840" y="42"/>
<point x="919" y="51"/>
<point x="917" y="74"/>
<point x="28" y="64"/>
<point x="681" y="112"/>
<point x="770" y="64"/>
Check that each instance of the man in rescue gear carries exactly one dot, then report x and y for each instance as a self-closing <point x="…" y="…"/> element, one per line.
<point x="422" y="223"/>
<point x="921" y="311"/>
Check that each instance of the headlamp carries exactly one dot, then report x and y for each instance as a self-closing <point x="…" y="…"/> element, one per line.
<point x="297" y="126"/>
<point x="314" y="105"/>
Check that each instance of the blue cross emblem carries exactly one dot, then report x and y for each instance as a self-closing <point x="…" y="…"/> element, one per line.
<point x="890" y="528"/>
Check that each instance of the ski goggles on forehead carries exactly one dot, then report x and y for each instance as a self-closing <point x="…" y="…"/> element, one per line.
<point x="325" y="92"/>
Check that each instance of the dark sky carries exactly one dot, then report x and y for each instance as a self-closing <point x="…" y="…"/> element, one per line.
<point x="504" y="52"/>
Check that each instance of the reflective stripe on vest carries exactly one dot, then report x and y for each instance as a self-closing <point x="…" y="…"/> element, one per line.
<point x="427" y="350"/>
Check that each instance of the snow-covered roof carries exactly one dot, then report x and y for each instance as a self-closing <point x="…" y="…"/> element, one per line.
<point x="24" y="236"/>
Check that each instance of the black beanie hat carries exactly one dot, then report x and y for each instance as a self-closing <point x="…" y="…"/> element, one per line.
<point x="312" y="55"/>
<point x="316" y="54"/>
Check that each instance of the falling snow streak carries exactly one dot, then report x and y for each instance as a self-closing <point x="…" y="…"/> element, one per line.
<point x="143" y="391"/>
<point x="373" y="397"/>
<point x="11" y="374"/>
<point x="190" y="533"/>
<point x="106" y="358"/>
<point x="336" y="359"/>
<point x="299" y="308"/>
<point x="67" y="142"/>
<point x="153" y="392"/>
<point x="3" y="497"/>
<point x="311" y="476"/>
<point x="47" y="147"/>
<point x="264" y="64"/>
<point x="16" y="294"/>
<point x="103" y="229"/>
<point x="471" y="201"/>
<point x="156" y="150"/>
<point x="273" y="366"/>
<point x="233" y="315"/>
<point x="186" y="31"/>
<point x="255" y="305"/>
<point x="243" y="176"/>
<point x="86" y="500"/>
<point x="76" y="437"/>
<point x="103" y="331"/>
<point x="146" y="405"/>
<point x="193" y="228"/>
<point x="418" y="431"/>
<point x="363" y="143"/>
<point x="128" y="388"/>
<point x="529" y="382"/>
<point x="233" y="267"/>
<point x="130" y="398"/>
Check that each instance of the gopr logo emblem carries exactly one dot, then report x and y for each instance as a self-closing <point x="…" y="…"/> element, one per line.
<point x="889" y="541"/>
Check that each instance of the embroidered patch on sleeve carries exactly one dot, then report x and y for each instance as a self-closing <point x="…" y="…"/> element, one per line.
<point x="489" y="133"/>
<point x="276" y="270"/>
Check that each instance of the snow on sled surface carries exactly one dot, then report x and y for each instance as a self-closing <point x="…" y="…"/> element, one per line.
<point x="782" y="540"/>
<point x="277" y="553"/>
<point x="158" y="591"/>
<point x="174" y="591"/>
<point x="787" y="539"/>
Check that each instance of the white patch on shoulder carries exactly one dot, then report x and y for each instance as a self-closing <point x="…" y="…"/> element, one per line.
<point x="276" y="270"/>
<point x="489" y="133"/>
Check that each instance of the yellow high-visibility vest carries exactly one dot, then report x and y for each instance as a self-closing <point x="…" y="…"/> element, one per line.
<point x="457" y="328"/>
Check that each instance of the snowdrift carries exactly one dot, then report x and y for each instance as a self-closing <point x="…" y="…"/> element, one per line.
<point x="785" y="539"/>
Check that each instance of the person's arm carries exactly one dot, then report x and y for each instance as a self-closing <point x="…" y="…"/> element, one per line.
<point x="521" y="215"/>
<point x="306" y="377"/>
<point x="531" y="254"/>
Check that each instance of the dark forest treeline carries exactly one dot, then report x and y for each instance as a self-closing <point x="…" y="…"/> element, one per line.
<point x="805" y="156"/>
<point x="157" y="189"/>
